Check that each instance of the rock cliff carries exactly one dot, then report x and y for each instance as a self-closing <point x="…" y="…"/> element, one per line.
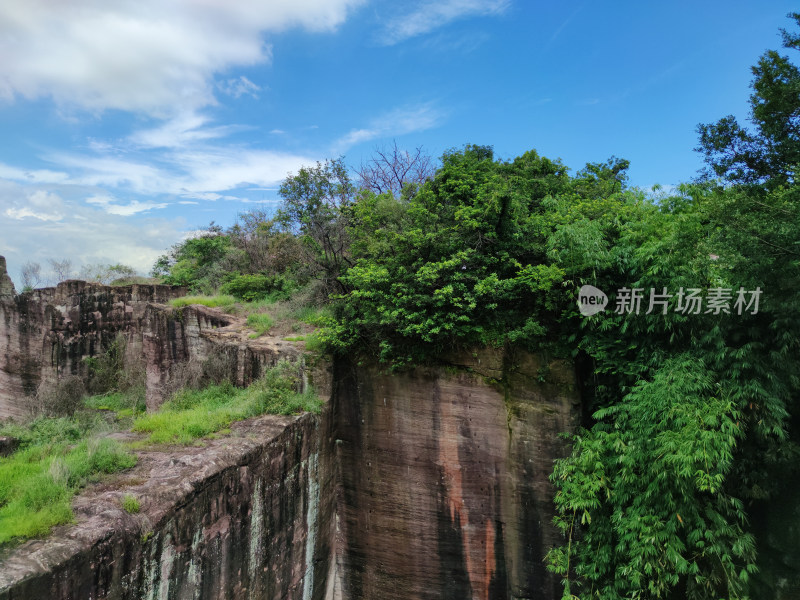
<point x="444" y="489"/>
<point x="46" y="333"/>
<point x="244" y="517"/>
<point x="430" y="483"/>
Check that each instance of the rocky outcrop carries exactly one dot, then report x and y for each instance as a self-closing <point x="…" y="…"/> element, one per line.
<point x="47" y="333"/>
<point x="429" y="483"/>
<point x="183" y="342"/>
<point x="426" y="484"/>
<point x="6" y="285"/>
<point x="444" y="489"/>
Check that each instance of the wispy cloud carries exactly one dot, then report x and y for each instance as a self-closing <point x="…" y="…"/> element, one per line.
<point x="182" y="130"/>
<point x="203" y="173"/>
<point x="38" y="204"/>
<point x="400" y="121"/>
<point x="113" y="207"/>
<point x="433" y="14"/>
<point x="146" y="56"/>
<point x="241" y="86"/>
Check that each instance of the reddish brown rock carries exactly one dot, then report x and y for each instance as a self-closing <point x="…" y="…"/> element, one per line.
<point x="174" y="339"/>
<point x="444" y="489"/>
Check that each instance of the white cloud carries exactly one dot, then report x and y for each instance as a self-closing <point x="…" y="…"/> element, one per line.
<point x="145" y="56"/>
<point x="84" y="233"/>
<point x="400" y="121"/>
<point x="182" y="130"/>
<point x="112" y="206"/>
<point x="238" y="87"/>
<point x="433" y="14"/>
<point x="38" y="204"/>
<point x="201" y="174"/>
<point x="216" y="169"/>
<point x="32" y="175"/>
<point x="133" y="207"/>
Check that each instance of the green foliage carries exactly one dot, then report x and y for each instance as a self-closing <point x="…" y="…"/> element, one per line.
<point x="130" y="504"/>
<point x="192" y="414"/>
<point x="210" y="301"/>
<point x="258" y="286"/>
<point x="197" y="262"/>
<point x="770" y="153"/>
<point x="54" y="461"/>
<point x="261" y="322"/>
<point x="462" y="262"/>
<point x="316" y="205"/>
<point x="646" y="488"/>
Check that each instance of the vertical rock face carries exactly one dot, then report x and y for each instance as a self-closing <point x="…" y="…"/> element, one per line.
<point x="431" y="483"/>
<point x="46" y="333"/>
<point x="443" y="477"/>
<point x="195" y="337"/>
<point x="6" y="285"/>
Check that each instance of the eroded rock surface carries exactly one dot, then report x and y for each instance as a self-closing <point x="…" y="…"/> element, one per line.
<point x="46" y="333"/>
<point x="204" y="339"/>
<point x="229" y="520"/>
<point x="431" y="483"/>
<point x="444" y="489"/>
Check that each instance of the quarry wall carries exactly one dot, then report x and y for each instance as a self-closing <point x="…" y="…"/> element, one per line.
<point x="427" y="483"/>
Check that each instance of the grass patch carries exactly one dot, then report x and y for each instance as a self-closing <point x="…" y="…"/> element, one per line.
<point x="121" y="403"/>
<point x="261" y="322"/>
<point x="313" y="315"/>
<point x="193" y="414"/>
<point x="130" y="504"/>
<point x="38" y="481"/>
<point x="210" y="301"/>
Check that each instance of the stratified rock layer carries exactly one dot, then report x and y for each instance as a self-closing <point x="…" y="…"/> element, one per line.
<point x="430" y="483"/>
<point x="46" y="333"/>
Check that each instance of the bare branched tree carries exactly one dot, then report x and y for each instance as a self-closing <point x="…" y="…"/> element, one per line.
<point x="60" y="270"/>
<point x="31" y="275"/>
<point x="105" y="273"/>
<point x="392" y="169"/>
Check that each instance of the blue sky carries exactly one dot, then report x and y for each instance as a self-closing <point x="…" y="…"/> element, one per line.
<point x="126" y="125"/>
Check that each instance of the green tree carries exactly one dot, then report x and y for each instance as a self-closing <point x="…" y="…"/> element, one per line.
<point x="196" y="262"/>
<point x="459" y="263"/>
<point x="316" y="206"/>
<point x="770" y="152"/>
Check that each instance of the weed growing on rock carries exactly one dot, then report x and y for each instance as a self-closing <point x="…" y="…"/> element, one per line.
<point x="130" y="504"/>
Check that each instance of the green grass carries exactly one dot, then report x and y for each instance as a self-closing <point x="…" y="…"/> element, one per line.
<point x="193" y="414"/>
<point x="211" y="301"/>
<point x="130" y="504"/>
<point x="121" y="403"/>
<point x="261" y="322"/>
<point x="38" y="481"/>
<point x="313" y="315"/>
